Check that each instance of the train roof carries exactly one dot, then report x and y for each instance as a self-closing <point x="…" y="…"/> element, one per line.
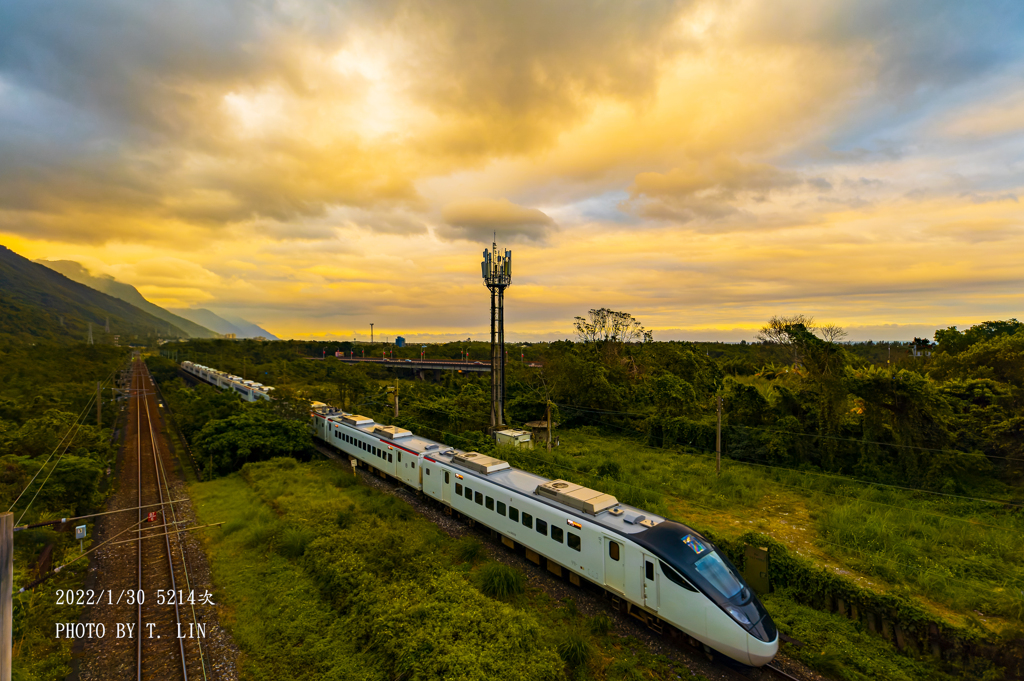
<point x="593" y="505"/>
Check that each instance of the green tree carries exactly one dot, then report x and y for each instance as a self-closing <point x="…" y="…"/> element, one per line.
<point x="254" y="434"/>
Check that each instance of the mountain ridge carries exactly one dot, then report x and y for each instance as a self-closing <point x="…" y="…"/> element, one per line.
<point x="126" y="292"/>
<point x="40" y="303"/>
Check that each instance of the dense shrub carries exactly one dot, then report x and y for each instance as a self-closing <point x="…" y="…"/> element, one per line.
<point x="500" y="581"/>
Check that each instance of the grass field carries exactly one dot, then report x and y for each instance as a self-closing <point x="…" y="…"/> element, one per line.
<point x="963" y="558"/>
<point x="319" y="577"/>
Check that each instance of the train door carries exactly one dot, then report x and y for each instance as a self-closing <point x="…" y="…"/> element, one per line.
<point x="446" y="488"/>
<point x="650" y="582"/>
<point x="614" y="566"/>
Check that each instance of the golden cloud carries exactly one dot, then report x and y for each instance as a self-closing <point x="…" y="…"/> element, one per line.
<point x="479" y="219"/>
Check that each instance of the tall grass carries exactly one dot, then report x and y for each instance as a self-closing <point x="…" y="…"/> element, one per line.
<point x="500" y="581"/>
<point x="964" y="554"/>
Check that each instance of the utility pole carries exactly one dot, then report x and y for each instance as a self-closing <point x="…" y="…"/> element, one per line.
<point x="371" y="333"/>
<point x="718" y="439"/>
<point x="549" y="426"/>
<point x="6" y="593"/>
<point x="396" y="398"/>
<point x="99" y="406"/>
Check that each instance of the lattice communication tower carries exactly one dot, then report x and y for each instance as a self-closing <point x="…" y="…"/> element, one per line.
<point x="497" y="273"/>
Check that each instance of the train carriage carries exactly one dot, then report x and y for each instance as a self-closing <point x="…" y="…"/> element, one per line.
<point x="664" y="571"/>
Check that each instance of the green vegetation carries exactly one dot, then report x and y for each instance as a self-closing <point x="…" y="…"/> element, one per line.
<point x="379" y="592"/>
<point x="500" y="581"/>
<point x="906" y="474"/>
<point x="843" y="649"/>
<point x="39" y="305"/>
<point x="48" y="427"/>
<point x="225" y="432"/>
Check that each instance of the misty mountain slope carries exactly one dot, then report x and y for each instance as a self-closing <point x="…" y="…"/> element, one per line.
<point x="35" y="298"/>
<point x="126" y="292"/>
<point x="223" y="325"/>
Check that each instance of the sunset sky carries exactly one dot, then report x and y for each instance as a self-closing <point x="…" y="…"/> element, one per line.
<point x="317" y="166"/>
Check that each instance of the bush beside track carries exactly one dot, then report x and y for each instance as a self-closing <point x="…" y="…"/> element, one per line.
<point x="324" y="578"/>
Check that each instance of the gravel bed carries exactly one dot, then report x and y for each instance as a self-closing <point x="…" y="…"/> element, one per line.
<point x="114" y="567"/>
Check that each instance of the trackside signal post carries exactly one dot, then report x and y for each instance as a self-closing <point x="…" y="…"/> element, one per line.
<point x="497" y="272"/>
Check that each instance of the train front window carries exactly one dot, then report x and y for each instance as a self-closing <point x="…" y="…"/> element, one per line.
<point x="718" y="575"/>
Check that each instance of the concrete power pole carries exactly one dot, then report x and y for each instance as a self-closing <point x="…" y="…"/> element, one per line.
<point x="371" y="333"/>
<point x="396" y="398"/>
<point x="718" y="439"/>
<point x="6" y="593"/>
<point x="549" y="426"/>
<point x="99" y="406"/>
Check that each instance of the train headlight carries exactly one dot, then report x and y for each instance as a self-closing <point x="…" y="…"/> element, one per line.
<point x="738" y="615"/>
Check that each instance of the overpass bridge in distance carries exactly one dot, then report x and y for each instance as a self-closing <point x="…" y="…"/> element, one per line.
<point x="423" y="365"/>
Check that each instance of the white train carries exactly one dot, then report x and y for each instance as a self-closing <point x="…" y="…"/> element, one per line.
<point x="250" y="391"/>
<point x="663" y="571"/>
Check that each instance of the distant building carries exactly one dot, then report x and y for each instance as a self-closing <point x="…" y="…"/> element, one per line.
<point x="260" y="338"/>
<point x="400" y="342"/>
<point x="229" y="336"/>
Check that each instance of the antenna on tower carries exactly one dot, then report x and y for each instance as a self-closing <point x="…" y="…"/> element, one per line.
<point x="497" y="274"/>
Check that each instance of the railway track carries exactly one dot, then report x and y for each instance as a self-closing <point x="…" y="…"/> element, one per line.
<point x="160" y="651"/>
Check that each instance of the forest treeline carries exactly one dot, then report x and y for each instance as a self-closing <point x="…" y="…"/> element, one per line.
<point x="946" y="415"/>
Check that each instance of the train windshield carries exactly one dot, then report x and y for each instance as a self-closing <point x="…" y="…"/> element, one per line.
<point x="718" y="575"/>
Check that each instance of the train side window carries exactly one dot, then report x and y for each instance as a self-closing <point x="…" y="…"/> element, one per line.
<point x="542" y="526"/>
<point x="399" y="457"/>
<point x="649" y="570"/>
<point x="447" y="479"/>
<point x="527" y="519"/>
<point x="557" y="534"/>
<point x="613" y="550"/>
<point x="428" y="471"/>
<point x="674" y="576"/>
<point x="480" y="498"/>
<point x="391" y="457"/>
<point x="489" y="504"/>
<point x="458" y="488"/>
<point x="469" y="494"/>
<point x="501" y="508"/>
<point x="412" y="464"/>
<point x="574" y="541"/>
<point x="513" y="514"/>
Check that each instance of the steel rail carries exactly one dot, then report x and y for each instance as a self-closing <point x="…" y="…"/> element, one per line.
<point x="138" y="445"/>
<point x="167" y="540"/>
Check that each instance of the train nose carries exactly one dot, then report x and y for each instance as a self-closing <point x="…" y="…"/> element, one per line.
<point x="761" y="653"/>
